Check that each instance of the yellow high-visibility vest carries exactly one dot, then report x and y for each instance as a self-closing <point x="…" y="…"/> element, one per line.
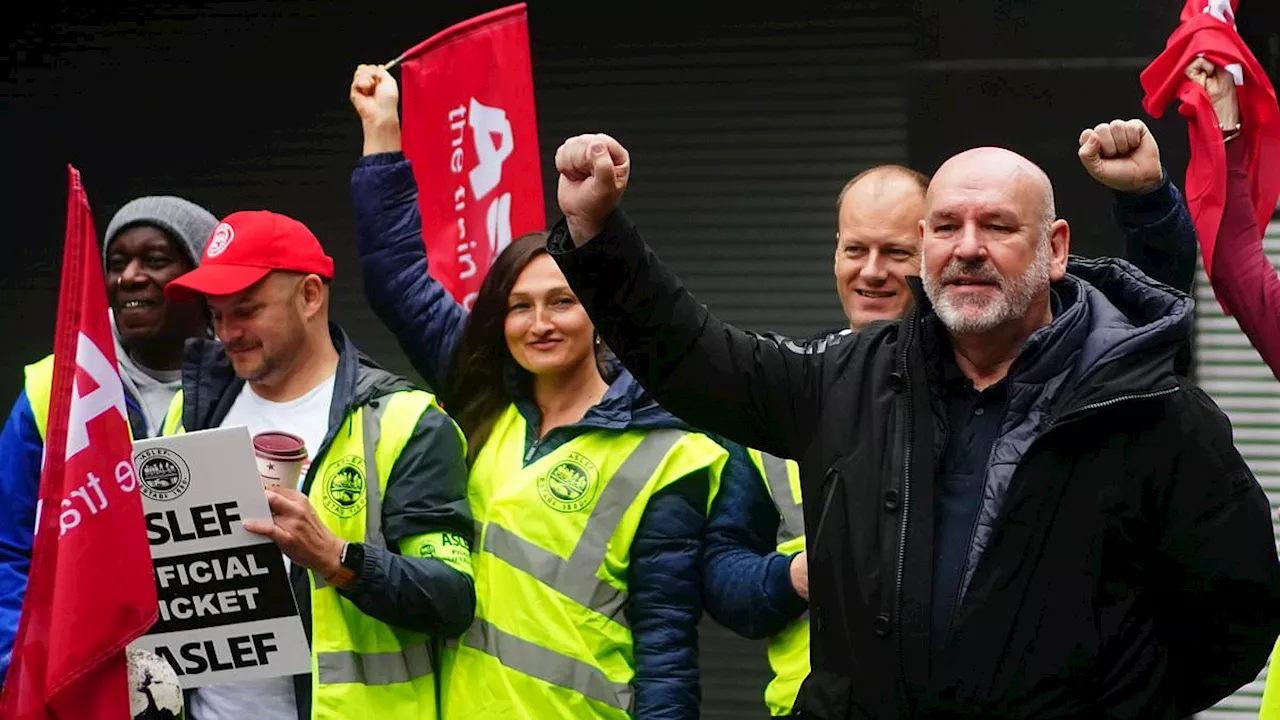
<point x="550" y="638"/>
<point x="361" y="668"/>
<point x="789" y="649"/>
<point x="1271" y="691"/>
<point x="39" y="386"/>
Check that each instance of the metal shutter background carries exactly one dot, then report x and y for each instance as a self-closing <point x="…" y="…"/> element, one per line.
<point x="1230" y="371"/>
<point x="741" y="136"/>
<point x="743" y="130"/>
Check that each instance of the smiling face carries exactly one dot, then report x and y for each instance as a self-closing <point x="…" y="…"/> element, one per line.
<point x="546" y="328"/>
<point x="264" y="327"/>
<point x="991" y="244"/>
<point x="878" y="247"/>
<point x="141" y="260"/>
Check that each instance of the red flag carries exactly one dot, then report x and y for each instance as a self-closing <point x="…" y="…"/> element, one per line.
<point x="1208" y="29"/>
<point x="470" y="129"/>
<point x="90" y="590"/>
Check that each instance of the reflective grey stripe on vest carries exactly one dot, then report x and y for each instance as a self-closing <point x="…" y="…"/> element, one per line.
<point x="372" y="426"/>
<point x="791" y="525"/>
<point x="547" y="665"/>
<point x="575" y="577"/>
<point x="383" y="668"/>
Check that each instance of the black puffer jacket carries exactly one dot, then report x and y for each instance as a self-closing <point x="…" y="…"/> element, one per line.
<point x="1122" y="566"/>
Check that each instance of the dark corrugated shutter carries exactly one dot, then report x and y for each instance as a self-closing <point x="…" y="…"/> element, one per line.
<point x="743" y="129"/>
<point x="741" y="135"/>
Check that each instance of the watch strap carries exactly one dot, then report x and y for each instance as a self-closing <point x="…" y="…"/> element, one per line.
<point x="345" y="576"/>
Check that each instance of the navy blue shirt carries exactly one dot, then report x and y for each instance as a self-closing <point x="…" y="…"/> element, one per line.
<point x="973" y="423"/>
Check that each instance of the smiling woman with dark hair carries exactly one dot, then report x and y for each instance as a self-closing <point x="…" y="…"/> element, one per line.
<point x="149" y="242"/>
<point x="589" y="498"/>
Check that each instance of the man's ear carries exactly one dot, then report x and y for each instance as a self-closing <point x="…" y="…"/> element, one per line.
<point x="314" y="294"/>
<point x="1059" y="249"/>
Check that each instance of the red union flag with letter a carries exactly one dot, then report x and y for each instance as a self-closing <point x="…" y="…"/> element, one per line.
<point x="471" y="131"/>
<point x="90" y="590"/>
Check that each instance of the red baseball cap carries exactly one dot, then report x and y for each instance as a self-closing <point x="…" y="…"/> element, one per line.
<point x="244" y="248"/>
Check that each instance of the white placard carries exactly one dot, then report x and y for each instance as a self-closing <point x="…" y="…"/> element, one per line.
<point x="227" y="612"/>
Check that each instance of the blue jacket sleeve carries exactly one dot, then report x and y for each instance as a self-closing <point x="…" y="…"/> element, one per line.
<point x="424" y="317"/>
<point x="20" y="451"/>
<point x="747" y="586"/>
<point x="665" y="605"/>
<point x="1159" y="235"/>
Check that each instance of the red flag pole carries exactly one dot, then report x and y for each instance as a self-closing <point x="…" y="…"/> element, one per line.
<point x="457" y="30"/>
<point x="28" y="672"/>
<point x="460" y="29"/>
<point x="91" y="588"/>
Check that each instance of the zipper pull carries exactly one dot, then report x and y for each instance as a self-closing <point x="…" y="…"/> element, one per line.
<point x="532" y="449"/>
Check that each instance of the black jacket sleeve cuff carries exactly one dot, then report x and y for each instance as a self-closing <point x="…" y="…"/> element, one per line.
<point x="560" y="243"/>
<point x="1139" y="209"/>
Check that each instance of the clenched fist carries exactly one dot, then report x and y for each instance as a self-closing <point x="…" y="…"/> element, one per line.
<point x="1122" y="155"/>
<point x="376" y="98"/>
<point x="1221" y="88"/>
<point x="594" y="170"/>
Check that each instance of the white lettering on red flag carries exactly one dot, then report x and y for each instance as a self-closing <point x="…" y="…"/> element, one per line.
<point x="470" y="128"/>
<point x="90" y="589"/>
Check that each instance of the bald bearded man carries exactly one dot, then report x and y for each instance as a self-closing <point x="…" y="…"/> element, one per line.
<point x="878" y="211"/>
<point x="756" y="574"/>
<point x="1015" y="506"/>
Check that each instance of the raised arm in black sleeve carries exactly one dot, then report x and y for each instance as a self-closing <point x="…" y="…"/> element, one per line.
<point x="762" y="392"/>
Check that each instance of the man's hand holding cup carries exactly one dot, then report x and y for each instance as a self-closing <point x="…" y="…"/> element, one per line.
<point x="294" y="525"/>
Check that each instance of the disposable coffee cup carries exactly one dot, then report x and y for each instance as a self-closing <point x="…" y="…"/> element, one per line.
<point x="280" y="456"/>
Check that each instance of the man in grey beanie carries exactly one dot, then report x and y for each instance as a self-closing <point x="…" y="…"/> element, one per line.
<point x="148" y="243"/>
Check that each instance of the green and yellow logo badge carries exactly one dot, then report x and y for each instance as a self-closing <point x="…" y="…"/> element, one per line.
<point x="344" y="493"/>
<point x="570" y="484"/>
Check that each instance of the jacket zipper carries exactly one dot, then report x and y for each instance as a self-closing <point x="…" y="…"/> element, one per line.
<point x="909" y="447"/>
<point x="1073" y="416"/>
<point x="826" y="506"/>
<point x="1078" y="412"/>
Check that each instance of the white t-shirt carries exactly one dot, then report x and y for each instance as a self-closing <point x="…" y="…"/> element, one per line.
<point x="308" y="418"/>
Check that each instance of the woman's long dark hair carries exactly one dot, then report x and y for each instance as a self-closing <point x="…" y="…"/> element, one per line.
<point x="479" y="387"/>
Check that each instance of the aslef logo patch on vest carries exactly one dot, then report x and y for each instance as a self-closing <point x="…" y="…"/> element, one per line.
<point x="344" y="491"/>
<point x="570" y="485"/>
<point x="221" y="238"/>
<point x="163" y="474"/>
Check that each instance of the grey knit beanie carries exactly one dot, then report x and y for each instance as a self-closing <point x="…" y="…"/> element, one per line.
<point x="186" y="223"/>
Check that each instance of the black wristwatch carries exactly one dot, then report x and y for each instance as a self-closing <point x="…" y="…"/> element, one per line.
<point x="349" y="566"/>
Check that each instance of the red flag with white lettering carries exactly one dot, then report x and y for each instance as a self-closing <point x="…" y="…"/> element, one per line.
<point x="471" y="131"/>
<point x="1208" y="29"/>
<point x="90" y="590"/>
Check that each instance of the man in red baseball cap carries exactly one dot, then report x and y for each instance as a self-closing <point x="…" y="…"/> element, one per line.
<point x="248" y="245"/>
<point x="265" y="278"/>
<point x="391" y="538"/>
